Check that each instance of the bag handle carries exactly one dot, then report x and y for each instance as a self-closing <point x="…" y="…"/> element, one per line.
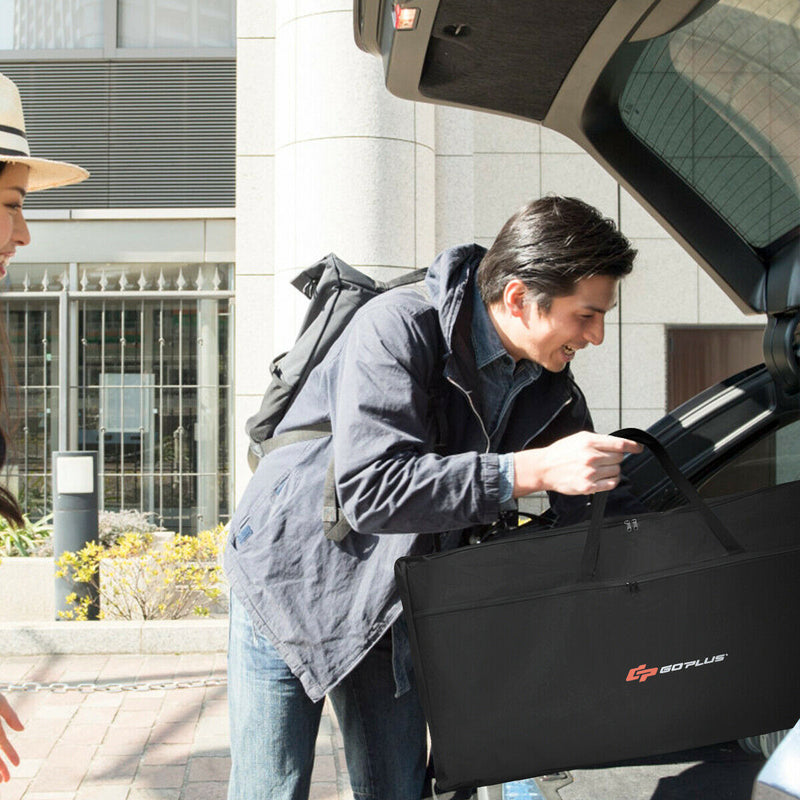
<point x="591" y="550"/>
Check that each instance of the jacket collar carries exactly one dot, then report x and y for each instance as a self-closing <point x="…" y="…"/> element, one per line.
<point x="449" y="281"/>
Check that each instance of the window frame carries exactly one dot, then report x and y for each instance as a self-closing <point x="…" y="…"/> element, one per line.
<point x="110" y="51"/>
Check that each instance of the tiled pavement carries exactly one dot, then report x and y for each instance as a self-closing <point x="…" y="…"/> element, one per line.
<point x="144" y="744"/>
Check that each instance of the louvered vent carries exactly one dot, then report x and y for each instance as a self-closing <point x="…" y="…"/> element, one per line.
<point x="153" y="134"/>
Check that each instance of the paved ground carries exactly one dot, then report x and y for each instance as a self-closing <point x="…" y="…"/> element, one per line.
<point x="152" y="744"/>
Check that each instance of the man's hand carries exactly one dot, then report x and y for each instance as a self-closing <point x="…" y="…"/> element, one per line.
<point x="583" y="463"/>
<point x="9" y="715"/>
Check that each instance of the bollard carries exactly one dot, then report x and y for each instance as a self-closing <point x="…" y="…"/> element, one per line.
<point x="74" y="517"/>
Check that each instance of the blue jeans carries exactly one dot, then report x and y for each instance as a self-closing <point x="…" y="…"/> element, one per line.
<point x="274" y="724"/>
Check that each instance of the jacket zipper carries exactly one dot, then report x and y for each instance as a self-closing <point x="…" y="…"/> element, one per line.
<point x="466" y="394"/>
<point x="567" y="402"/>
<point x="474" y="411"/>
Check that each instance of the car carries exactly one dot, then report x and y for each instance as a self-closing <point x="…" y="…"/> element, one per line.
<point x="694" y="107"/>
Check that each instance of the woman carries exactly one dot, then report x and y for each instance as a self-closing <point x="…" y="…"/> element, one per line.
<point x="19" y="174"/>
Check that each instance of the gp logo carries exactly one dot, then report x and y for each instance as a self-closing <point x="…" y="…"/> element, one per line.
<point x="641" y="673"/>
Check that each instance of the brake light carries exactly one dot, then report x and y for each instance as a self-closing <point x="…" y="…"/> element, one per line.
<point x="405" y="19"/>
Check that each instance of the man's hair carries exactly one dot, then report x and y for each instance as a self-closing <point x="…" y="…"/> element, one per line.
<point x="550" y="244"/>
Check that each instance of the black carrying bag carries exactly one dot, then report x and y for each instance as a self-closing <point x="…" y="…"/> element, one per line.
<point x="609" y="640"/>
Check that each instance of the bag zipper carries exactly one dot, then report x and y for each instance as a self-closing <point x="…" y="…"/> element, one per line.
<point x="634" y="584"/>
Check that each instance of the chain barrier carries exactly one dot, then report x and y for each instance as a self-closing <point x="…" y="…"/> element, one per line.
<point x="32" y="687"/>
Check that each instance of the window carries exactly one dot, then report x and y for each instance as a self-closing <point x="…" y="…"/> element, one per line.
<point x="772" y="460"/>
<point x="116" y="28"/>
<point x="48" y="25"/>
<point x="718" y="100"/>
<point x="153" y="133"/>
<point x="175" y="23"/>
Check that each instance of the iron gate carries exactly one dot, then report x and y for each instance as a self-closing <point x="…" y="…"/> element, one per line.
<point x="138" y="369"/>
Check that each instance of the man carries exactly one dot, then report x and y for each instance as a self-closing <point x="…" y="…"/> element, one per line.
<point x="446" y="405"/>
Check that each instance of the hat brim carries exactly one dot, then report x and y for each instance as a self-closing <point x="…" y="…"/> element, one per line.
<point x="46" y="174"/>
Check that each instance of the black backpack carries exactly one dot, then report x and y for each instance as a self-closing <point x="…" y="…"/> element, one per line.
<point x="336" y="291"/>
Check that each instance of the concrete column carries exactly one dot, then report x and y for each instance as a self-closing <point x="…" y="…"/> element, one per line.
<point x="455" y="176"/>
<point x="207" y="429"/>
<point x="354" y="166"/>
<point x="255" y="217"/>
<point x="327" y="160"/>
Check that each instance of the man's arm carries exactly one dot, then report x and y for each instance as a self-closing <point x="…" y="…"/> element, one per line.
<point x="388" y="480"/>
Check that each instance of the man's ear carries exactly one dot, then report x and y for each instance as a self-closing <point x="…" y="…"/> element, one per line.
<point x="515" y="297"/>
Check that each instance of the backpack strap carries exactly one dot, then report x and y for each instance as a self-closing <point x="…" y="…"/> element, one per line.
<point x="415" y="276"/>
<point x="297" y="435"/>
<point x="334" y="522"/>
<point x="257" y="450"/>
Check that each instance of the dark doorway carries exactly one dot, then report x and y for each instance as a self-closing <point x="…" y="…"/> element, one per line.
<point x="700" y="357"/>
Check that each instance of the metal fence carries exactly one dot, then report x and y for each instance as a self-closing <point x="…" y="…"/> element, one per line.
<point x="135" y="365"/>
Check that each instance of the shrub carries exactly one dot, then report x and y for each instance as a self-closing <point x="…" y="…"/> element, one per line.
<point x="113" y="524"/>
<point x="135" y="580"/>
<point x="34" y="539"/>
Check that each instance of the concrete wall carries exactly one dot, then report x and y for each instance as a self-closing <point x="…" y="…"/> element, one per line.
<point x="132" y="238"/>
<point x="255" y="216"/>
<point x="27" y="590"/>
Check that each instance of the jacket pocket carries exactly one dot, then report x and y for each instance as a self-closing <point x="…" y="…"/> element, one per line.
<point x="252" y="515"/>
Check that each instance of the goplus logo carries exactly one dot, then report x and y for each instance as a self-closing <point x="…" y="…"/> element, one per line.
<point x="641" y="673"/>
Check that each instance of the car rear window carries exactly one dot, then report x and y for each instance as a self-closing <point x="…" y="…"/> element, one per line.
<point x="718" y="100"/>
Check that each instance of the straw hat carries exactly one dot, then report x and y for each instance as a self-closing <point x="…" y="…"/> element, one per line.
<point x="44" y="174"/>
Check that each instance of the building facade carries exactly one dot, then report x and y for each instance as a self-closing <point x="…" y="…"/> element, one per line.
<point x="119" y="312"/>
<point x="230" y="146"/>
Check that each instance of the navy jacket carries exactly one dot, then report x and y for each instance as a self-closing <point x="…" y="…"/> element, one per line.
<point x="401" y="390"/>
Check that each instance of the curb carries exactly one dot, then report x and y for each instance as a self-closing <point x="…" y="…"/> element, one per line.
<point x="114" y="636"/>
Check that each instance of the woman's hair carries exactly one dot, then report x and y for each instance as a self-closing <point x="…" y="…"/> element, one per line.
<point x="551" y="244"/>
<point x="9" y="507"/>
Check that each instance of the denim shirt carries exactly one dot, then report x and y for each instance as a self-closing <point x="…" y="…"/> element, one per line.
<point x="501" y="381"/>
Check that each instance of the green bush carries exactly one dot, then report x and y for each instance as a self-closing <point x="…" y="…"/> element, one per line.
<point x="139" y="581"/>
<point x="34" y="539"/>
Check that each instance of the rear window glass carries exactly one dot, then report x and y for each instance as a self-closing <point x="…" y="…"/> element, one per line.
<point x="718" y="100"/>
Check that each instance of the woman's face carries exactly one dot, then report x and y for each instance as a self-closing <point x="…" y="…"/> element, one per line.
<point x="13" y="228"/>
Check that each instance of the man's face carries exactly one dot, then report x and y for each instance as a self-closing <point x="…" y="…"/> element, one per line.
<point x="551" y="338"/>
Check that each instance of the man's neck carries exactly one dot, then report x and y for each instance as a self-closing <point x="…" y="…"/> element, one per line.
<point x="500" y="319"/>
